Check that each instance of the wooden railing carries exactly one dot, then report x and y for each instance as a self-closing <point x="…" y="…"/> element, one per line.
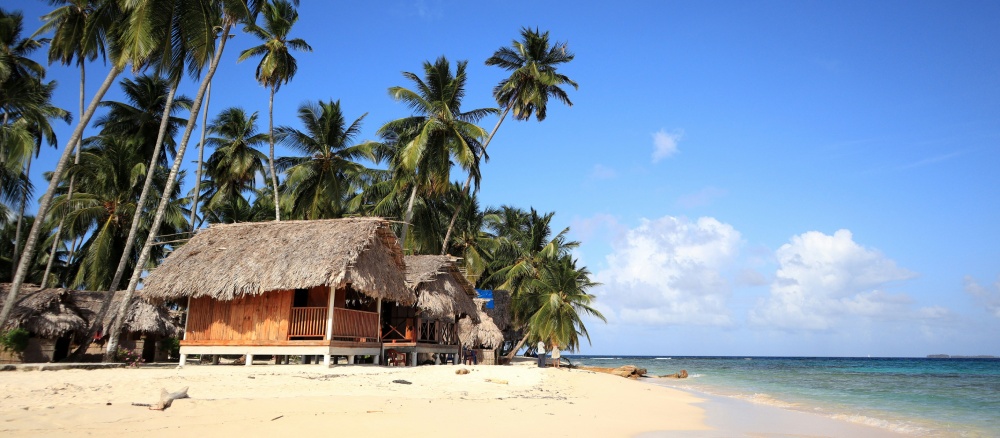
<point x="308" y="322"/>
<point x="355" y="324"/>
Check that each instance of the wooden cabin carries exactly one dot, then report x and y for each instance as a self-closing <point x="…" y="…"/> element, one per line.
<point x="285" y="288"/>
<point x="428" y="331"/>
<point x="59" y="318"/>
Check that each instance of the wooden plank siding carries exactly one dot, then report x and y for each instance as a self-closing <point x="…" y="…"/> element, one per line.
<point x="262" y="317"/>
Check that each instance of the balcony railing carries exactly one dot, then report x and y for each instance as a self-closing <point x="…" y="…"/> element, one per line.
<point x="308" y="322"/>
<point x="355" y="324"/>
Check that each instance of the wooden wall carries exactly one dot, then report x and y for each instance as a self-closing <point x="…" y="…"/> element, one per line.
<point x="258" y="318"/>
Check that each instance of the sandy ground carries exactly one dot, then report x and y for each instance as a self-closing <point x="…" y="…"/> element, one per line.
<point x="264" y="400"/>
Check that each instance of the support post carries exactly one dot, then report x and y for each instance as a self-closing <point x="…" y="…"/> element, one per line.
<point x="249" y="360"/>
<point x="326" y="360"/>
<point x="183" y="360"/>
<point x="329" y="314"/>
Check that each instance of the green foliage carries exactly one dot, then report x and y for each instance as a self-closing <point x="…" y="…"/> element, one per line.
<point x="171" y="346"/>
<point x="15" y="340"/>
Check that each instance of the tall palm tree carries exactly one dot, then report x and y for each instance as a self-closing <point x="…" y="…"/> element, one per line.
<point x="70" y="42"/>
<point x="236" y="162"/>
<point x="233" y="12"/>
<point x="438" y="132"/>
<point x="320" y="182"/>
<point x="555" y="302"/>
<point x="14" y="50"/>
<point x="533" y="63"/>
<point x="277" y="65"/>
<point x="138" y="118"/>
<point x="128" y="29"/>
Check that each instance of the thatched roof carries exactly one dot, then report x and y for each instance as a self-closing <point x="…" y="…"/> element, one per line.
<point x="485" y="333"/>
<point x="500" y="313"/>
<point x="442" y="291"/>
<point x="228" y="261"/>
<point x="44" y="312"/>
<point x="56" y="312"/>
<point x="141" y="317"/>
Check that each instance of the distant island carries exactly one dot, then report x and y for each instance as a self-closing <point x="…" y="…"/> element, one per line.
<point x="945" y="356"/>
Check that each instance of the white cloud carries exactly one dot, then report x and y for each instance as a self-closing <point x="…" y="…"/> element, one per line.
<point x="602" y="172"/>
<point x="988" y="297"/>
<point x="669" y="271"/>
<point x="822" y="280"/>
<point x="665" y="144"/>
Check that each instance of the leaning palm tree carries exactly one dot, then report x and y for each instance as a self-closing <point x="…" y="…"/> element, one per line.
<point x="277" y="65"/>
<point x="236" y="162"/>
<point x="438" y="132"/>
<point x="533" y="62"/>
<point x="70" y="43"/>
<point x="320" y="182"/>
<point x="555" y="302"/>
<point x="232" y="12"/>
<point x="128" y="29"/>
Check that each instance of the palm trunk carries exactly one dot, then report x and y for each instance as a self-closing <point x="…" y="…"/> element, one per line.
<point x="20" y="218"/>
<point x="133" y="232"/>
<point x="201" y="157"/>
<point x="510" y="356"/>
<point x="72" y="184"/>
<point x="270" y="157"/>
<point x="468" y="182"/>
<point x="406" y="219"/>
<point x="46" y="201"/>
<point x="116" y="326"/>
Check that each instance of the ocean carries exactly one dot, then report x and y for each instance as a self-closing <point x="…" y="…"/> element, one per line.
<point x="912" y="396"/>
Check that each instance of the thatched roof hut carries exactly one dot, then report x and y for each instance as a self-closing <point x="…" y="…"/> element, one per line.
<point x="229" y="261"/>
<point x="442" y="291"/>
<point x="141" y="317"/>
<point x="47" y="313"/>
<point x="500" y="313"/>
<point x="485" y="333"/>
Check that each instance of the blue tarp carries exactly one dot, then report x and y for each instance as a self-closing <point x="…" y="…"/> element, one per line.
<point x="487" y="295"/>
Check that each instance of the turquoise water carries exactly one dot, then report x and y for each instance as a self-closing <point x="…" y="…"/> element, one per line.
<point x="917" y="397"/>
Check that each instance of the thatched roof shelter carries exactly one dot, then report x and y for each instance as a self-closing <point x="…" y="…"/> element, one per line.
<point x="229" y="261"/>
<point x="485" y="333"/>
<point x="141" y="317"/>
<point x="47" y="313"/>
<point x="500" y="313"/>
<point x="442" y="291"/>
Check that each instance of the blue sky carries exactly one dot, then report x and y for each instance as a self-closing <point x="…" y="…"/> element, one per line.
<point x="746" y="178"/>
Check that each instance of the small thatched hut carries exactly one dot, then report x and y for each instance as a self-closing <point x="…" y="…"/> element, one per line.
<point x="144" y="325"/>
<point x="483" y="336"/>
<point x="285" y="288"/>
<point x="59" y="318"/>
<point x="443" y="295"/>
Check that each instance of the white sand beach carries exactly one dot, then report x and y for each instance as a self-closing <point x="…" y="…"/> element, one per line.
<point x="263" y="400"/>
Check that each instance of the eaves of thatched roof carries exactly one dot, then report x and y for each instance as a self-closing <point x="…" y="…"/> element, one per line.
<point x="229" y="261"/>
<point x="442" y="291"/>
<point x="485" y="333"/>
<point x="44" y="312"/>
<point x="56" y="312"/>
<point x="141" y="317"/>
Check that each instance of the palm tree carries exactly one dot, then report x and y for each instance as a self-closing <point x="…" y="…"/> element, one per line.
<point x="320" y="182"/>
<point x="138" y="118"/>
<point x="277" y="66"/>
<point x="14" y="50"/>
<point x="439" y="132"/>
<point x="128" y="30"/>
<point x="70" y="42"/>
<point x="533" y="62"/>
<point x="233" y="12"/>
<point x="555" y="302"/>
<point x="236" y="162"/>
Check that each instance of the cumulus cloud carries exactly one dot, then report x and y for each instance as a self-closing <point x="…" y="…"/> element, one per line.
<point x="665" y="144"/>
<point x="670" y="271"/>
<point x="988" y="297"/>
<point x="822" y="280"/>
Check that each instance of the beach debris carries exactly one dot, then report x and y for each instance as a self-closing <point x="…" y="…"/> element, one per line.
<point x="402" y="382"/>
<point x="167" y="398"/>
<point x="461" y="371"/>
<point x="497" y="381"/>
<point x="679" y="375"/>
<point x="275" y="418"/>
<point x="629" y="371"/>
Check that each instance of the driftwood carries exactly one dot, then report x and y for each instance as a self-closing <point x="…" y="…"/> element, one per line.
<point x="498" y="381"/>
<point x="167" y="398"/>
<point x="681" y="375"/>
